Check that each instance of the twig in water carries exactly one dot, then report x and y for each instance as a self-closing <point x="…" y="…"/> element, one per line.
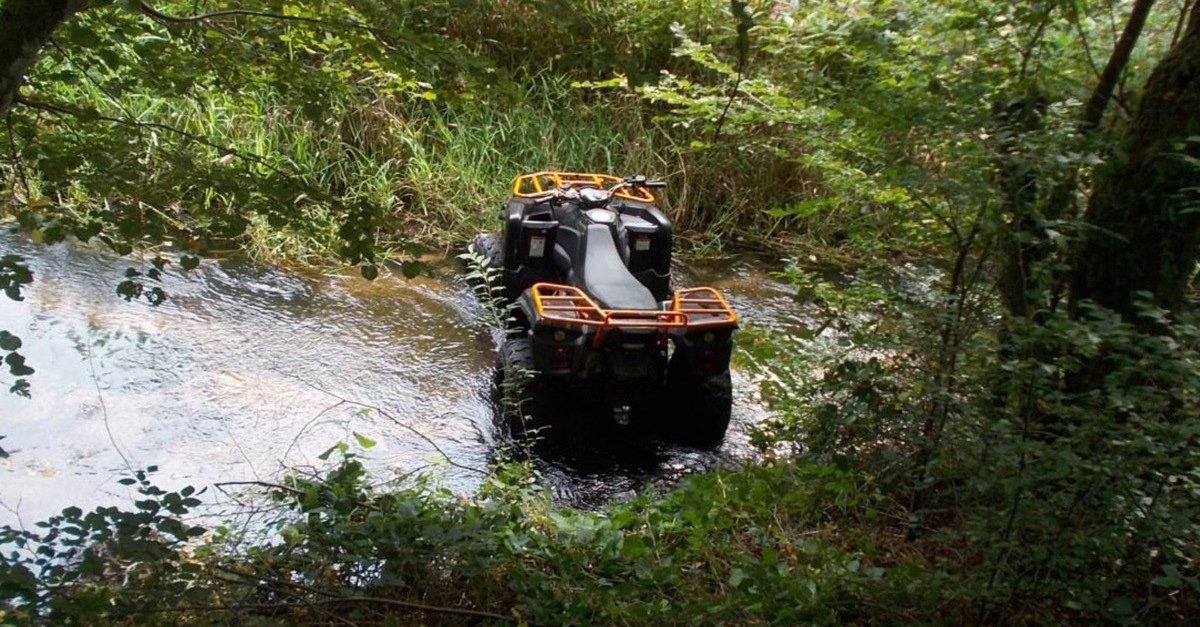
<point x="103" y="407"/>
<point x="401" y="424"/>
<point x="307" y="425"/>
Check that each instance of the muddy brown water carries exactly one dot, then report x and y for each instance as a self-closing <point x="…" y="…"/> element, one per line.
<point x="249" y="370"/>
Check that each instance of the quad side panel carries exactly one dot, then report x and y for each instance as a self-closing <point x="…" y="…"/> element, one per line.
<point x="649" y="238"/>
<point x="530" y="232"/>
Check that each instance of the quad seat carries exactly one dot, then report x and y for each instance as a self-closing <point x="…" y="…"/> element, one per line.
<point x="604" y="277"/>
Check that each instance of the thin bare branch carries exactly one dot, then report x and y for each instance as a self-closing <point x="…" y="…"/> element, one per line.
<point x="401" y="424"/>
<point x="261" y="484"/>
<point x="335" y="597"/>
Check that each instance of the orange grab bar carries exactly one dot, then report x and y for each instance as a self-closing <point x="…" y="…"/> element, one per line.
<point x="523" y="184"/>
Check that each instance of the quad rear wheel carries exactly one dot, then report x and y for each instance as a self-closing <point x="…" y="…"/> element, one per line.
<point x="701" y="405"/>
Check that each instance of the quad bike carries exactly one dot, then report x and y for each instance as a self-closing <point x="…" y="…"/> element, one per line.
<point x="583" y="271"/>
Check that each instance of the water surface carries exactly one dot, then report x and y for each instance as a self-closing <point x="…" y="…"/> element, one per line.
<point x="250" y="370"/>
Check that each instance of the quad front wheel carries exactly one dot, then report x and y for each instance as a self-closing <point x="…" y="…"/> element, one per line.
<point x="524" y="398"/>
<point x="489" y="247"/>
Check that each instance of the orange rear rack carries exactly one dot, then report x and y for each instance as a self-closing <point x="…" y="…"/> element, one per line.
<point x="528" y="185"/>
<point x="694" y="307"/>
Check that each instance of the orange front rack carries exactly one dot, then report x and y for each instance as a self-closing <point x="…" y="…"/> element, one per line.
<point x="567" y="304"/>
<point x="528" y="185"/>
<point x="703" y="306"/>
<point x="694" y="307"/>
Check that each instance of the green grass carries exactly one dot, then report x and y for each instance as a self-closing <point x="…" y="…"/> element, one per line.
<point x="247" y="165"/>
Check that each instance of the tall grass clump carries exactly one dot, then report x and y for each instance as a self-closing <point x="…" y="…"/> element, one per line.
<point x="337" y="147"/>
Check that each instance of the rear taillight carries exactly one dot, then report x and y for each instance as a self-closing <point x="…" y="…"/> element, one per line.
<point x="559" y="359"/>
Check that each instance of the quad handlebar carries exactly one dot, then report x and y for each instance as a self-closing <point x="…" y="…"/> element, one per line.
<point x="641" y="181"/>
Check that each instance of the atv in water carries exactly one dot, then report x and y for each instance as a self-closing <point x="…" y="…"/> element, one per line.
<point x="583" y="273"/>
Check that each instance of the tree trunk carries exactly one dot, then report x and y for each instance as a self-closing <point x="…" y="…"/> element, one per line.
<point x="1144" y="212"/>
<point x="1026" y="246"/>
<point x="26" y="26"/>
<point x="1023" y="243"/>
<point x="1094" y="111"/>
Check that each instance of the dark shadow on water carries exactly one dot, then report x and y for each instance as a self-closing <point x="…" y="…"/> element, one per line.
<point x="589" y="461"/>
<point x="596" y="451"/>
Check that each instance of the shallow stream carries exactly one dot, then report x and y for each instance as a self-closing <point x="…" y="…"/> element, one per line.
<point x="250" y="370"/>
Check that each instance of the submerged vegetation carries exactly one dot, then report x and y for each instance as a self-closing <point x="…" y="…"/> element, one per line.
<point x="996" y="422"/>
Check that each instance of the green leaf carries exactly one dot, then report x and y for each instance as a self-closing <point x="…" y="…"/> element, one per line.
<point x="363" y="440"/>
<point x="9" y="342"/>
<point x="189" y="262"/>
<point x="370" y="272"/>
<point x="20" y="387"/>
<point x="16" y="365"/>
<point x="329" y="451"/>
<point x="109" y="58"/>
<point x="736" y="577"/>
<point x="411" y="269"/>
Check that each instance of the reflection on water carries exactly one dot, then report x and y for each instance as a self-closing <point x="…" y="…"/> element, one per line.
<point x="249" y="370"/>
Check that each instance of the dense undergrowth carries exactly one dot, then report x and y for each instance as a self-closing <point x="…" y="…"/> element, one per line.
<point x="948" y="449"/>
<point x="368" y="131"/>
<point x="350" y="144"/>
<point x="698" y="555"/>
<point x="909" y="478"/>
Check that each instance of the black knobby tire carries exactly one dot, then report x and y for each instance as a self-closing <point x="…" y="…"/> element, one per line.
<point x="490" y="252"/>
<point x="524" y="399"/>
<point x="702" y="405"/>
<point x="490" y="248"/>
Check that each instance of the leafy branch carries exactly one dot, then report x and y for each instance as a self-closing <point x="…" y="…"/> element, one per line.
<point x="745" y="22"/>
<point x="14" y="275"/>
<point x="234" y="13"/>
<point x="87" y="115"/>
